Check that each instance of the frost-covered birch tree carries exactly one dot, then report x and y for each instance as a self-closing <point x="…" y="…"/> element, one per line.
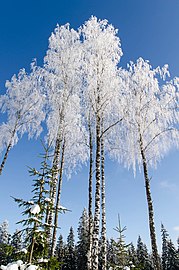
<point x="23" y="103"/>
<point x="102" y="52"/>
<point x="150" y="127"/>
<point x="62" y="83"/>
<point x="74" y="151"/>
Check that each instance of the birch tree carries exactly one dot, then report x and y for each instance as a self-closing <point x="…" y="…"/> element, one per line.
<point x="60" y="66"/>
<point x="23" y="103"/>
<point x="150" y="127"/>
<point x="102" y="52"/>
<point x="62" y="83"/>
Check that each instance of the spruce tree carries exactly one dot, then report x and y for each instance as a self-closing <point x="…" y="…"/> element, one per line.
<point x="120" y="248"/>
<point x="70" y="257"/>
<point x="164" y="247"/>
<point x="60" y="251"/>
<point x="34" y="225"/>
<point x="144" y="260"/>
<point x="132" y="255"/>
<point x="173" y="260"/>
<point x="4" y="234"/>
<point x="5" y="247"/>
<point x="82" y="244"/>
<point x="110" y="253"/>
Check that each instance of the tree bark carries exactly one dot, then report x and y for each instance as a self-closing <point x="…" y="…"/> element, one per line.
<point x="103" y="203"/>
<point x="90" y="215"/>
<point x="53" y="188"/>
<point x="150" y="209"/>
<point x="95" y="249"/>
<point x="32" y="244"/>
<point x="10" y="144"/>
<point x="54" y="237"/>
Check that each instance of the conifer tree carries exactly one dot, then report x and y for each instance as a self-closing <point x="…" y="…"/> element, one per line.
<point x="173" y="259"/>
<point x="143" y="257"/>
<point x="70" y="254"/>
<point x="133" y="255"/>
<point x="120" y="248"/>
<point x="60" y="251"/>
<point x="5" y="247"/>
<point x="35" y="210"/>
<point x="4" y="234"/>
<point x="111" y="259"/>
<point x="170" y="259"/>
<point x="164" y="248"/>
<point x="16" y="240"/>
<point x="82" y="244"/>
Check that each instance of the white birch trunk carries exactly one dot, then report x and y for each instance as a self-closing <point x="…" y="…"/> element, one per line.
<point x="95" y="249"/>
<point x="103" y="203"/>
<point x="155" y="255"/>
<point x="54" y="237"/>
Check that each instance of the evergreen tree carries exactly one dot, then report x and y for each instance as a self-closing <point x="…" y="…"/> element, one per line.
<point x="110" y="253"/>
<point x="144" y="260"/>
<point x="170" y="259"/>
<point x="35" y="210"/>
<point x="70" y="253"/>
<point x="5" y="247"/>
<point x="120" y="249"/>
<point x="4" y="234"/>
<point x="133" y="255"/>
<point x="60" y="251"/>
<point x="16" y="240"/>
<point x="16" y="243"/>
<point x="164" y="248"/>
<point x="82" y="244"/>
<point x="173" y="260"/>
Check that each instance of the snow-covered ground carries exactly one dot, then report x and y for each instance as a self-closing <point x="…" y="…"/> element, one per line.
<point x="19" y="265"/>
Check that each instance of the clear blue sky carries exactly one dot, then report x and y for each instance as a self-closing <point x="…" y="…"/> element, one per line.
<point x="149" y="29"/>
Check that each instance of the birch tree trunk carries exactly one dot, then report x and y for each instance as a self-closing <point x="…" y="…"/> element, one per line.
<point x="10" y="144"/>
<point x="95" y="249"/>
<point x="155" y="255"/>
<point x="53" y="188"/>
<point x="90" y="215"/>
<point x="54" y="237"/>
<point x="103" y="203"/>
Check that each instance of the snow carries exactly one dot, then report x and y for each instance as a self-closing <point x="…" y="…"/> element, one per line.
<point x="12" y="266"/>
<point x="30" y="202"/>
<point x="18" y="265"/>
<point x="24" y="250"/>
<point x="35" y="209"/>
<point x="42" y="260"/>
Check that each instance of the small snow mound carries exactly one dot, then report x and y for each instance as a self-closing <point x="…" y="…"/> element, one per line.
<point x="35" y="209"/>
<point x="24" y="250"/>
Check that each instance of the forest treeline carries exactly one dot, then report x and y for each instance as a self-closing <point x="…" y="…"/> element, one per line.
<point x="72" y="254"/>
<point x="91" y="108"/>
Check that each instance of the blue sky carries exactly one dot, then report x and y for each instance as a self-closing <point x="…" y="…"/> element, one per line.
<point x="149" y="29"/>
